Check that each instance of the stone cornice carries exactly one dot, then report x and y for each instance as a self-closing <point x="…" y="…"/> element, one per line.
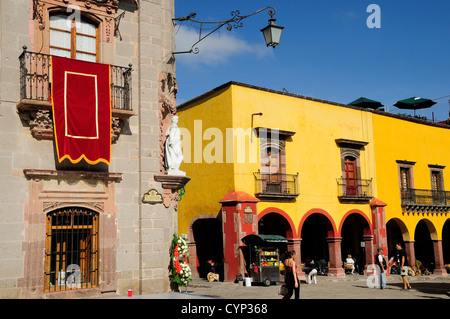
<point x="54" y="174"/>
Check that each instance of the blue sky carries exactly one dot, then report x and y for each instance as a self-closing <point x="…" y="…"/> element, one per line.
<point x="326" y="51"/>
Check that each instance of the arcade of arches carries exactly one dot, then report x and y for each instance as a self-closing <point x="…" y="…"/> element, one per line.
<point x="431" y="252"/>
<point x="318" y="238"/>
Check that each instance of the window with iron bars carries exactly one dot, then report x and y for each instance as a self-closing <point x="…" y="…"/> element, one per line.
<point x="71" y="249"/>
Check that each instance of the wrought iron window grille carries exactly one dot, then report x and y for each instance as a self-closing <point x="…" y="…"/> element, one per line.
<point x="71" y="249"/>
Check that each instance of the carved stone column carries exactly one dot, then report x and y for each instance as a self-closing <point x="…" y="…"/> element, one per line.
<point x="334" y="247"/>
<point x="439" y="258"/>
<point x="370" y="249"/>
<point x="295" y="244"/>
<point x="410" y="252"/>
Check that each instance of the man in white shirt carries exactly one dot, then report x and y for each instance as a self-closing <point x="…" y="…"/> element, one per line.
<point x="381" y="267"/>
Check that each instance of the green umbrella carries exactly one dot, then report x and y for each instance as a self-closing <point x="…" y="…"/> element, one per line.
<point x="268" y="238"/>
<point x="366" y="103"/>
<point x="414" y="103"/>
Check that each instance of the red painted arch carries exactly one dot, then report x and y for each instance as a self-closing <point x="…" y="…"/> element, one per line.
<point x="269" y="210"/>
<point x="364" y="216"/>
<point x="322" y="212"/>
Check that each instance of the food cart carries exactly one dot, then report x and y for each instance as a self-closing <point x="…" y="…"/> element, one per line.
<point x="264" y="257"/>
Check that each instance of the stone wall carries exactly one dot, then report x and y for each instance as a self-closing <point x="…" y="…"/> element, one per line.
<point x="138" y="234"/>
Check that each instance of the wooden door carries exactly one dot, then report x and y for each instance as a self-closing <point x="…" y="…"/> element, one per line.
<point x="350" y="177"/>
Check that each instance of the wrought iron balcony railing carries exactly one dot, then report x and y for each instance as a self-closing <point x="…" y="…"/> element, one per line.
<point x="354" y="189"/>
<point x="276" y="186"/>
<point x="35" y="80"/>
<point x="426" y="197"/>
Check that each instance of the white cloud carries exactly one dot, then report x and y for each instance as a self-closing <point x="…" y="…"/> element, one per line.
<point x="217" y="48"/>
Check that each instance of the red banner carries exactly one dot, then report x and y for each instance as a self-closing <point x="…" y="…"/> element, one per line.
<point x="81" y="101"/>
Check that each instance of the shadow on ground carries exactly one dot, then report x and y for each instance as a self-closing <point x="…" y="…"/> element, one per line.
<point x="434" y="289"/>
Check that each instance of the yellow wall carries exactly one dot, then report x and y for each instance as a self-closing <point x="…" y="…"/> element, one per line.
<point x="312" y="151"/>
<point x="209" y="182"/>
<point x="397" y="139"/>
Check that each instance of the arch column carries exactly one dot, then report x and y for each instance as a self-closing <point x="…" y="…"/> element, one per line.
<point x="334" y="248"/>
<point x="296" y="244"/>
<point x="411" y="254"/>
<point x="370" y="249"/>
<point x="439" y="258"/>
<point x="379" y="224"/>
<point x="193" y="260"/>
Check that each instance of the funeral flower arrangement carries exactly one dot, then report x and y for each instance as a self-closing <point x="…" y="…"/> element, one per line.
<point x="179" y="256"/>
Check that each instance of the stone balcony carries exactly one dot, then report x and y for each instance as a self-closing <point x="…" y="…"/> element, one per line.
<point x="35" y="107"/>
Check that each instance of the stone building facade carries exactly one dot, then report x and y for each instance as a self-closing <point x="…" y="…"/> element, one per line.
<point x="68" y="229"/>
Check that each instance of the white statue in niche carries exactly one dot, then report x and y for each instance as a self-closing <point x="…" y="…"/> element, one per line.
<point x="174" y="155"/>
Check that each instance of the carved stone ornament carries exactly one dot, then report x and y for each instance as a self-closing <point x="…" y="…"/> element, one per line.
<point x="248" y="210"/>
<point x="38" y="14"/>
<point x="248" y="215"/>
<point x="103" y="9"/>
<point x="167" y="109"/>
<point x="97" y="206"/>
<point x="117" y="126"/>
<point x="152" y="197"/>
<point x="37" y="115"/>
<point x="41" y="124"/>
<point x="171" y="184"/>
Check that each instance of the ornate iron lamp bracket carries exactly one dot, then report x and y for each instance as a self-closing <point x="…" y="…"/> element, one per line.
<point x="234" y="22"/>
<point x="117" y="23"/>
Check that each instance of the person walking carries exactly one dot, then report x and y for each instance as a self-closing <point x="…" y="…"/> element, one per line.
<point x="402" y="261"/>
<point x="312" y="276"/>
<point x="290" y="276"/>
<point x="381" y="267"/>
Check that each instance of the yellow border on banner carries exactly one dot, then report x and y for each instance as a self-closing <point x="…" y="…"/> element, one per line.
<point x="83" y="156"/>
<point x="66" y="124"/>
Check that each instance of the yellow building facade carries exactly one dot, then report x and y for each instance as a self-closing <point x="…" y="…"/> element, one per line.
<point x="312" y="171"/>
<point x="413" y="173"/>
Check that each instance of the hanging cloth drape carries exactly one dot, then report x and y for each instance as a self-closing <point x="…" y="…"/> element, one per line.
<point x="81" y="103"/>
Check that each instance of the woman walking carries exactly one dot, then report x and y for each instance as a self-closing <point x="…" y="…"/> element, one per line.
<point x="290" y="276"/>
<point x="402" y="262"/>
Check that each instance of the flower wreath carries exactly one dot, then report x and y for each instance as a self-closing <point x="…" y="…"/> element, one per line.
<point x="181" y="271"/>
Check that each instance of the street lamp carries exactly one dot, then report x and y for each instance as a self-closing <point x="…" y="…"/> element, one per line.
<point x="272" y="32"/>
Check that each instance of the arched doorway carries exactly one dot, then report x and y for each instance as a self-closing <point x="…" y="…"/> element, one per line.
<point x="446" y="242"/>
<point x="314" y="232"/>
<point x="355" y="233"/>
<point x="396" y="233"/>
<point x="423" y="244"/>
<point x="207" y="233"/>
<point x="275" y="224"/>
